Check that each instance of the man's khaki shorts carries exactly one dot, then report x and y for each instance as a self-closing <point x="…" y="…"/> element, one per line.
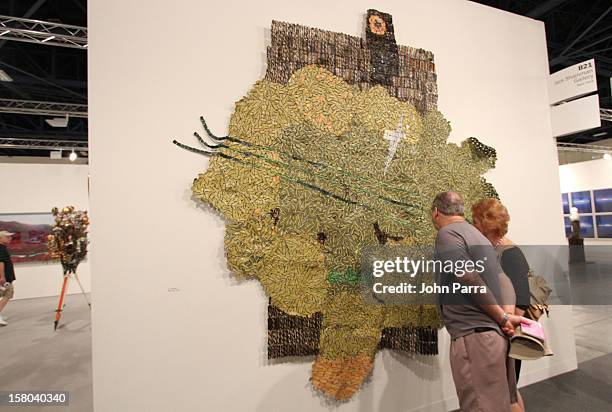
<point x="484" y="376"/>
<point x="8" y="293"/>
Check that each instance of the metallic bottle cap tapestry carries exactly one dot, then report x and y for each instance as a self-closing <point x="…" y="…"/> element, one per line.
<point x="338" y="148"/>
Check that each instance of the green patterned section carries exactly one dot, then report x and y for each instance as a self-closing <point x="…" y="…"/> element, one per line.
<point x="482" y="151"/>
<point x="488" y="189"/>
<point x="349" y="277"/>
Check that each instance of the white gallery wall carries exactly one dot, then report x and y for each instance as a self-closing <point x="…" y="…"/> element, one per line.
<point x="173" y="330"/>
<point x="589" y="175"/>
<point x="37" y="188"/>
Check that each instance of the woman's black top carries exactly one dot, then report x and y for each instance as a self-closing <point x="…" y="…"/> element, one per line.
<point x="515" y="266"/>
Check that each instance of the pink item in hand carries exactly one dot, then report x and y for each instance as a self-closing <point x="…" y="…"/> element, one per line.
<point x="533" y="329"/>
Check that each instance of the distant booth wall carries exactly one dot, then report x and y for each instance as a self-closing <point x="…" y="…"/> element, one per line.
<point x="161" y="277"/>
<point x="592" y="182"/>
<point x="36" y="188"/>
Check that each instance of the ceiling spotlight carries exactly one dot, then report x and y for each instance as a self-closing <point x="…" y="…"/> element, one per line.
<point x="58" y="121"/>
<point x="607" y="156"/>
<point x="73" y="156"/>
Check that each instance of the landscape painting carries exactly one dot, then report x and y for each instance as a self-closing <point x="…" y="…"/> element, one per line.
<point x="29" y="243"/>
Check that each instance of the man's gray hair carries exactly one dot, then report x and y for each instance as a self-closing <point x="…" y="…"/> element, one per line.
<point x="449" y="203"/>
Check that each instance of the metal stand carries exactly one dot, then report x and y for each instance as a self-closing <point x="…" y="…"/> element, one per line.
<point x="60" y="305"/>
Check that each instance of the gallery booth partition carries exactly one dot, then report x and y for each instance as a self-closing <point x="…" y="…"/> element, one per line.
<point x="31" y="190"/>
<point x="173" y="329"/>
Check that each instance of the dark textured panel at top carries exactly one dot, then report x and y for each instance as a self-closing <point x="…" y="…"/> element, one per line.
<point x="410" y="76"/>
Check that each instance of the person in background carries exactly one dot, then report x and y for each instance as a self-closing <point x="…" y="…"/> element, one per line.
<point x="7" y="273"/>
<point x="491" y="218"/>
<point x="483" y="377"/>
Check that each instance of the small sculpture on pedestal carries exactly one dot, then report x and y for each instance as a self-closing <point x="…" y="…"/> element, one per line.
<point x="576" y="242"/>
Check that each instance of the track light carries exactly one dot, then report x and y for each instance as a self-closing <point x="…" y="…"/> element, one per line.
<point x="58" y="121"/>
<point x="73" y="156"/>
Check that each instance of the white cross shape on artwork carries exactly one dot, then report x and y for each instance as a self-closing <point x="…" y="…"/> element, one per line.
<point x="394" y="137"/>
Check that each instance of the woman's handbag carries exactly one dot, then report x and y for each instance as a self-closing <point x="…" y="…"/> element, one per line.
<point x="539" y="292"/>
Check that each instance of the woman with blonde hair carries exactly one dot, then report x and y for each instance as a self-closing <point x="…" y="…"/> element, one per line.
<point x="491" y="218"/>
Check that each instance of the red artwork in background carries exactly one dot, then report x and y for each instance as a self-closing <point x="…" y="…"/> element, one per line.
<point x="29" y="243"/>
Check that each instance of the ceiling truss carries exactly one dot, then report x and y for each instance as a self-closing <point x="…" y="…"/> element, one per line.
<point x="587" y="148"/>
<point x="42" y="32"/>
<point x="43" y="108"/>
<point x="43" y="144"/>
<point x="606" y="114"/>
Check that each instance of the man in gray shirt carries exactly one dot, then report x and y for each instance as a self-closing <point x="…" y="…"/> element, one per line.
<point x="476" y="321"/>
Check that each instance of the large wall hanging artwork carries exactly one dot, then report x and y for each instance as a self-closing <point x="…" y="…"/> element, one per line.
<point x="339" y="147"/>
<point x="28" y="244"/>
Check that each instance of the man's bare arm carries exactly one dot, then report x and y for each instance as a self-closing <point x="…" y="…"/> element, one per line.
<point x="489" y="305"/>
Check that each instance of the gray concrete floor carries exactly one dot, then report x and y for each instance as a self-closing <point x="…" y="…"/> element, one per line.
<point x="37" y="358"/>
<point x="585" y="389"/>
<point x="593" y="332"/>
<point x="588" y="387"/>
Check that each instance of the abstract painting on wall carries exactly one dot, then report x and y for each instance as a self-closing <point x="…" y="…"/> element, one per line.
<point x="339" y="147"/>
<point x="29" y="243"/>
